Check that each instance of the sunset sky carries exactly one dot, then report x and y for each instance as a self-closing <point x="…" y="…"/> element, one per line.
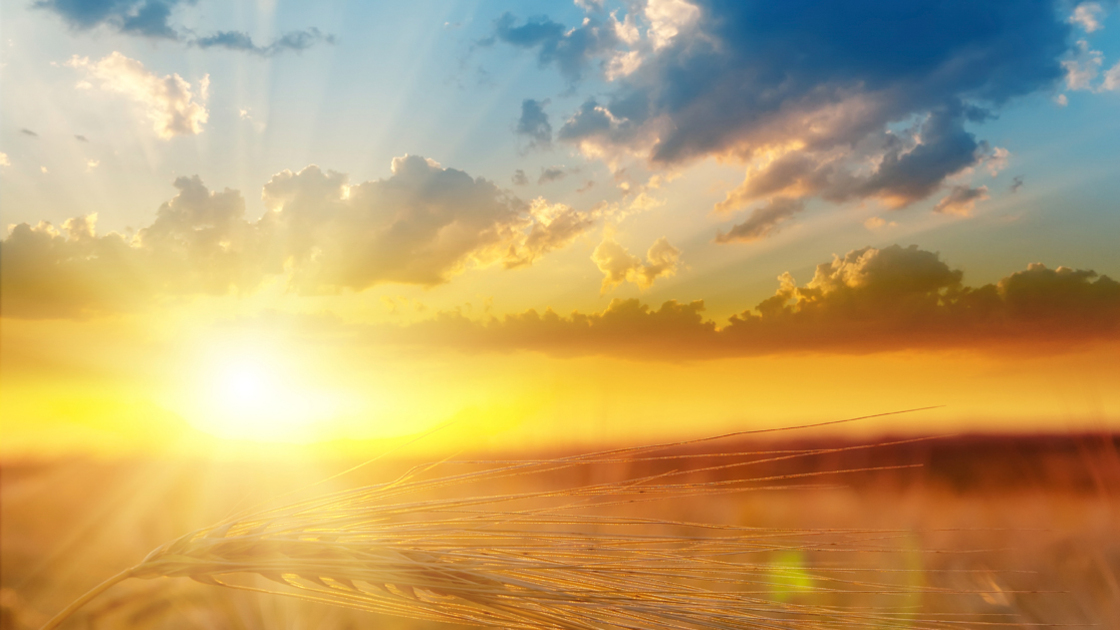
<point x="575" y="223"/>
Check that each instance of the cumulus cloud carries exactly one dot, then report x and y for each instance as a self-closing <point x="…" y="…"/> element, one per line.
<point x="763" y="221"/>
<point x="152" y="18"/>
<point x="170" y="102"/>
<point x="552" y="226"/>
<point x="321" y="234"/>
<point x="880" y="109"/>
<point x="198" y="243"/>
<point x="618" y="265"/>
<point x="534" y="124"/>
<point x="961" y="200"/>
<point x="868" y="300"/>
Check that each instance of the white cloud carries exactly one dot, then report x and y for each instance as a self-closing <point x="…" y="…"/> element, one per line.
<point x="1111" y="78"/>
<point x="1062" y="100"/>
<point x="1082" y="69"/>
<point x="667" y="18"/>
<point x="170" y="102"/>
<point x="1088" y="16"/>
<point x="92" y="164"/>
<point x="4" y="159"/>
<point x="997" y="161"/>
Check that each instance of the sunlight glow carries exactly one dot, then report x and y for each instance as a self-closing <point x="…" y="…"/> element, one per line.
<point x="256" y="393"/>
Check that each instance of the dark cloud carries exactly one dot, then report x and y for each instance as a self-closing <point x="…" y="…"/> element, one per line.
<point x="81" y="138"/>
<point x="151" y="18"/>
<point x="534" y="124"/>
<point x="763" y="221"/>
<point x="520" y="178"/>
<point x="554" y="174"/>
<point x="572" y="50"/>
<point x="869" y="300"/>
<point x="136" y="17"/>
<point x="294" y="41"/>
<point x="961" y="200"/>
<point x="322" y="234"/>
<point x="27" y="132"/>
<point x="1016" y="183"/>
<point x="818" y="103"/>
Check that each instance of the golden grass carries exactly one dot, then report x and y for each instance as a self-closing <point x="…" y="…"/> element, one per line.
<point x="458" y="548"/>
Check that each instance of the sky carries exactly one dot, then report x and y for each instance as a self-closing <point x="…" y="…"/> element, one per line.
<point x="240" y="223"/>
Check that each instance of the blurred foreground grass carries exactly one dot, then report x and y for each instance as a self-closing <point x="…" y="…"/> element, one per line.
<point x="1014" y="530"/>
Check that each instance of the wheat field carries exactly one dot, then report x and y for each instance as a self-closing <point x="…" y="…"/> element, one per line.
<point x="793" y="532"/>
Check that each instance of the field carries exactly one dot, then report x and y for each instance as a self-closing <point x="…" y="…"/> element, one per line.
<point x="950" y="532"/>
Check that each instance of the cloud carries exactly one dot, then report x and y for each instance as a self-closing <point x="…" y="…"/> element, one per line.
<point x="148" y="18"/>
<point x="1082" y="67"/>
<point x="961" y="200"/>
<point x="572" y="50"/>
<point x="520" y="178"/>
<point x="292" y="41"/>
<point x="199" y="243"/>
<point x="81" y="138"/>
<point x="321" y="234"/>
<point x="534" y="123"/>
<point x="27" y="132"/>
<point x="151" y="18"/>
<point x="1087" y="15"/>
<point x="1111" y="80"/>
<point x="997" y="161"/>
<point x="1016" y="183"/>
<point x="869" y="300"/>
<point x="875" y="223"/>
<point x="174" y="107"/>
<point x="619" y="265"/>
<point x="811" y="109"/>
<point x="4" y="161"/>
<point x="763" y="222"/>
<point x="555" y="173"/>
<point x="423" y="225"/>
<point x="553" y="226"/>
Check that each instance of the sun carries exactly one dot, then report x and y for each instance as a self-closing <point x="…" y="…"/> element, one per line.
<point x="257" y="392"/>
<point x="246" y="386"/>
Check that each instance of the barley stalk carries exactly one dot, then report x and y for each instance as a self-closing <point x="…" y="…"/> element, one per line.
<point x="559" y="559"/>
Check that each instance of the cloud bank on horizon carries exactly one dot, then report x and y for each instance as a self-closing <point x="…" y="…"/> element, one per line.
<point x="869" y="300"/>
